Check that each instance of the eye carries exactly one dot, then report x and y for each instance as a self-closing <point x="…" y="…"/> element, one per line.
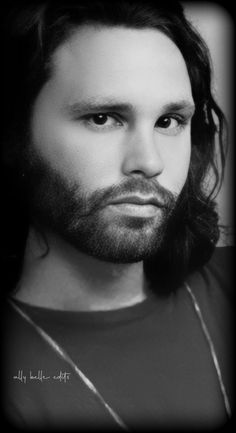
<point x="102" y="121"/>
<point x="99" y="119"/>
<point x="171" y="124"/>
<point x="167" y="122"/>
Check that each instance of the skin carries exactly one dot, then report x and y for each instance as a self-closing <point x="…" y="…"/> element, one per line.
<point x="142" y="138"/>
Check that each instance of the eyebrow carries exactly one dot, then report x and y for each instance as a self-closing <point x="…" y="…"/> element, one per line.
<point x="108" y="104"/>
<point x="91" y="105"/>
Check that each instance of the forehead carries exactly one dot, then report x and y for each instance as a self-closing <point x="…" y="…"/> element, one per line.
<point x="144" y="66"/>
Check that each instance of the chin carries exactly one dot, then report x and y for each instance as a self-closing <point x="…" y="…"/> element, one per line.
<point x="131" y="246"/>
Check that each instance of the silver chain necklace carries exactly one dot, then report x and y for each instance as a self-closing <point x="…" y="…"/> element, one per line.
<point x="64" y="355"/>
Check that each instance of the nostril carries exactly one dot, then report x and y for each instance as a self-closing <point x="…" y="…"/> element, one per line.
<point x="139" y="172"/>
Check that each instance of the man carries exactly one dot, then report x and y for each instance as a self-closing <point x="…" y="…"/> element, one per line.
<point x="117" y="319"/>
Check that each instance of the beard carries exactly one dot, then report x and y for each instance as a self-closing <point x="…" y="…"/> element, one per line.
<point x="82" y="220"/>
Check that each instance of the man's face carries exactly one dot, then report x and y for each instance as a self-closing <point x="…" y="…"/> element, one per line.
<point x="110" y="141"/>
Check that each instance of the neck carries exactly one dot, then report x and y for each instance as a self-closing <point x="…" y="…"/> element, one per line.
<point x="67" y="279"/>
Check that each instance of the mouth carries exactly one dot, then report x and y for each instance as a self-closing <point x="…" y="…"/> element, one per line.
<point x="137" y="200"/>
<point x="136" y="206"/>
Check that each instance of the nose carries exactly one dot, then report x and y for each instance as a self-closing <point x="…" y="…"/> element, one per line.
<point x="142" y="155"/>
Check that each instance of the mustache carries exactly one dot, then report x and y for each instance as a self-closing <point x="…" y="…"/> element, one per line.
<point x="151" y="188"/>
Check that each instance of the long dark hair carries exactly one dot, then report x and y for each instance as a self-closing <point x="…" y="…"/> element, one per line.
<point x="32" y="33"/>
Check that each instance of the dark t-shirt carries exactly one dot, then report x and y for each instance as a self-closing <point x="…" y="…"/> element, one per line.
<point x="151" y="362"/>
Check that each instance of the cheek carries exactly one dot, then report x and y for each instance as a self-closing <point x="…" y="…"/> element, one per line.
<point x="176" y="162"/>
<point x="96" y="166"/>
<point x="91" y="161"/>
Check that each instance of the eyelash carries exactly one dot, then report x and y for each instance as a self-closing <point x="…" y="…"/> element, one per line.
<point x="181" y="122"/>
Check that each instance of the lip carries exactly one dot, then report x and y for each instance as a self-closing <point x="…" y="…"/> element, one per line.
<point x="137" y="200"/>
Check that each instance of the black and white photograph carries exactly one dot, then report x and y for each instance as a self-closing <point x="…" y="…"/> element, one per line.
<point x="117" y="235"/>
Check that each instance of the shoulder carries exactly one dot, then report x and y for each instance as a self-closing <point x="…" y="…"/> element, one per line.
<point x="213" y="288"/>
<point x="36" y="396"/>
<point x="213" y="283"/>
<point x="24" y="354"/>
